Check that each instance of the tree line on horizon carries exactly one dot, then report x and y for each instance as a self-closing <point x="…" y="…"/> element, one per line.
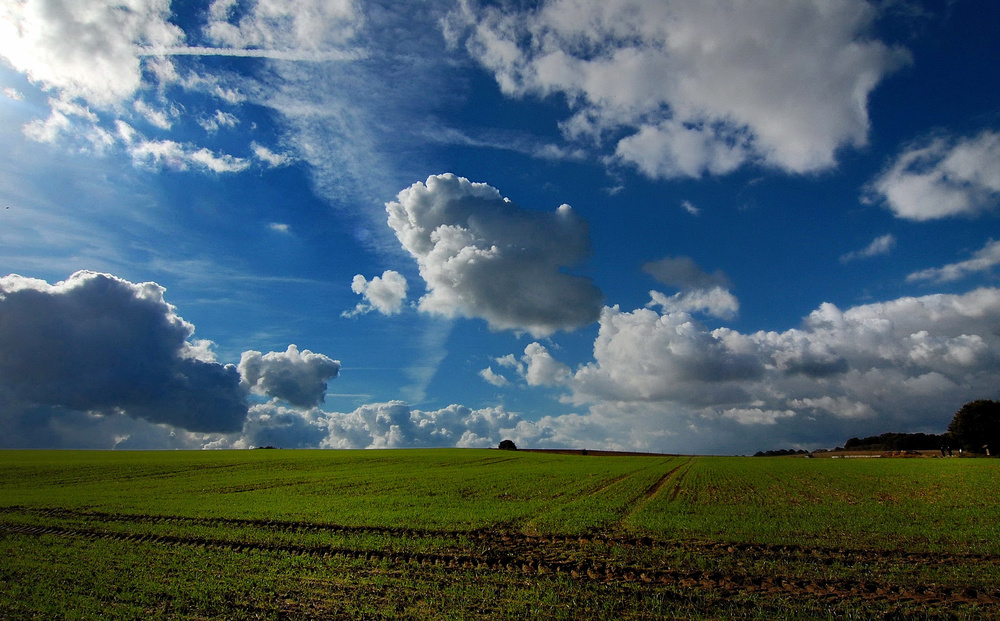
<point x="974" y="428"/>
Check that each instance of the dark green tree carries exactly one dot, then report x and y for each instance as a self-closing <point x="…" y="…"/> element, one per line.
<point x="977" y="425"/>
<point x="507" y="445"/>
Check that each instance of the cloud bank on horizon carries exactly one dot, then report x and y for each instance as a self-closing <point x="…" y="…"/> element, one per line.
<point x="831" y="271"/>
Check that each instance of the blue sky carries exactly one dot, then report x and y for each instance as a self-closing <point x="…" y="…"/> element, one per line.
<point x="717" y="226"/>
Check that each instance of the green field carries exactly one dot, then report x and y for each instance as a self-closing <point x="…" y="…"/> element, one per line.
<point x="471" y="534"/>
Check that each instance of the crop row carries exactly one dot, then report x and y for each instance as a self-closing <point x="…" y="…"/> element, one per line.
<point x="23" y="517"/>
<point x="580" y="569"/>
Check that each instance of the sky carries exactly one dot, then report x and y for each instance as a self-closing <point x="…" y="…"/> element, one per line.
<point x="713" y="226"/>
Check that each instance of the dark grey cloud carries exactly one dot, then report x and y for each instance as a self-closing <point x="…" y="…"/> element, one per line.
<point x="817" y="368"/>
<point x="96" y="343"/>
<point x="52" y="427"/>
<point x="684" y="273"/>
<point x="296" y="377"/>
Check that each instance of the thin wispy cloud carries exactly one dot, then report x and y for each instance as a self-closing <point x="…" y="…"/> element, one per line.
<point x="283" y="55"/>
<point x="882" y="245"/>
<point x="982" y="261"/>
<point x="689" y="207"/>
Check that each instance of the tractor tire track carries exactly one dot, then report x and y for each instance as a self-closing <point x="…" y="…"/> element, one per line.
<point x="654" y="490"/>
<point x="524" y="543"/>
<point x="542" y="564"/>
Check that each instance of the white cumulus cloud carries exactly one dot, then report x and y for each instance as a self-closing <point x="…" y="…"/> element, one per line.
<point x="483" y="256"/>
<point x="71" y="122"/>
<point x="716" y="302"/>
<point x="271" y="424"/>
<point x="86" y="48"/>
<point x="492" y="377"/>
<point x="645" y="356"/>
<point x="943" y="177"/>
<point x="698" y="87"/>
<point x="385" y="293"/>
<point x="668" y="381"/>
<point x="298" y="377"/>
<point x="396" y="424"/>
<point x="541" y="369"/>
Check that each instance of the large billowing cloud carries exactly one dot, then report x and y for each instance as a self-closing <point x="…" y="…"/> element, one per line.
<point x="379" y="425"/>
<point x="645" y="356"/>
<point x="300" y="378"/>
<point x="100" y="344"/>
<point x="483" y="256"/>
<point x="396" y="424"/>
<point x="667" y="382"/>
<point x="271" y="424"/>
<point x="96" y="361"/>
<point x="943" y="177"/>
<point x="688" y="88"/>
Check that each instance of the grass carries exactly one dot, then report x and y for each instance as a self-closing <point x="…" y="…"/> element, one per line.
<point x="470" y="534"/>
<point x="923" y="504"/>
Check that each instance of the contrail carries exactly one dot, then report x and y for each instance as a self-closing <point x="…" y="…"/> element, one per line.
<point x="292" y="55"/>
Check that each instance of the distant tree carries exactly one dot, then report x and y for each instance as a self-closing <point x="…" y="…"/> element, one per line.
<point x="507" y="445"/>
<point x="896" y="442"/>
<point x="977" y="424"/>
<point x="780" y="453"/>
